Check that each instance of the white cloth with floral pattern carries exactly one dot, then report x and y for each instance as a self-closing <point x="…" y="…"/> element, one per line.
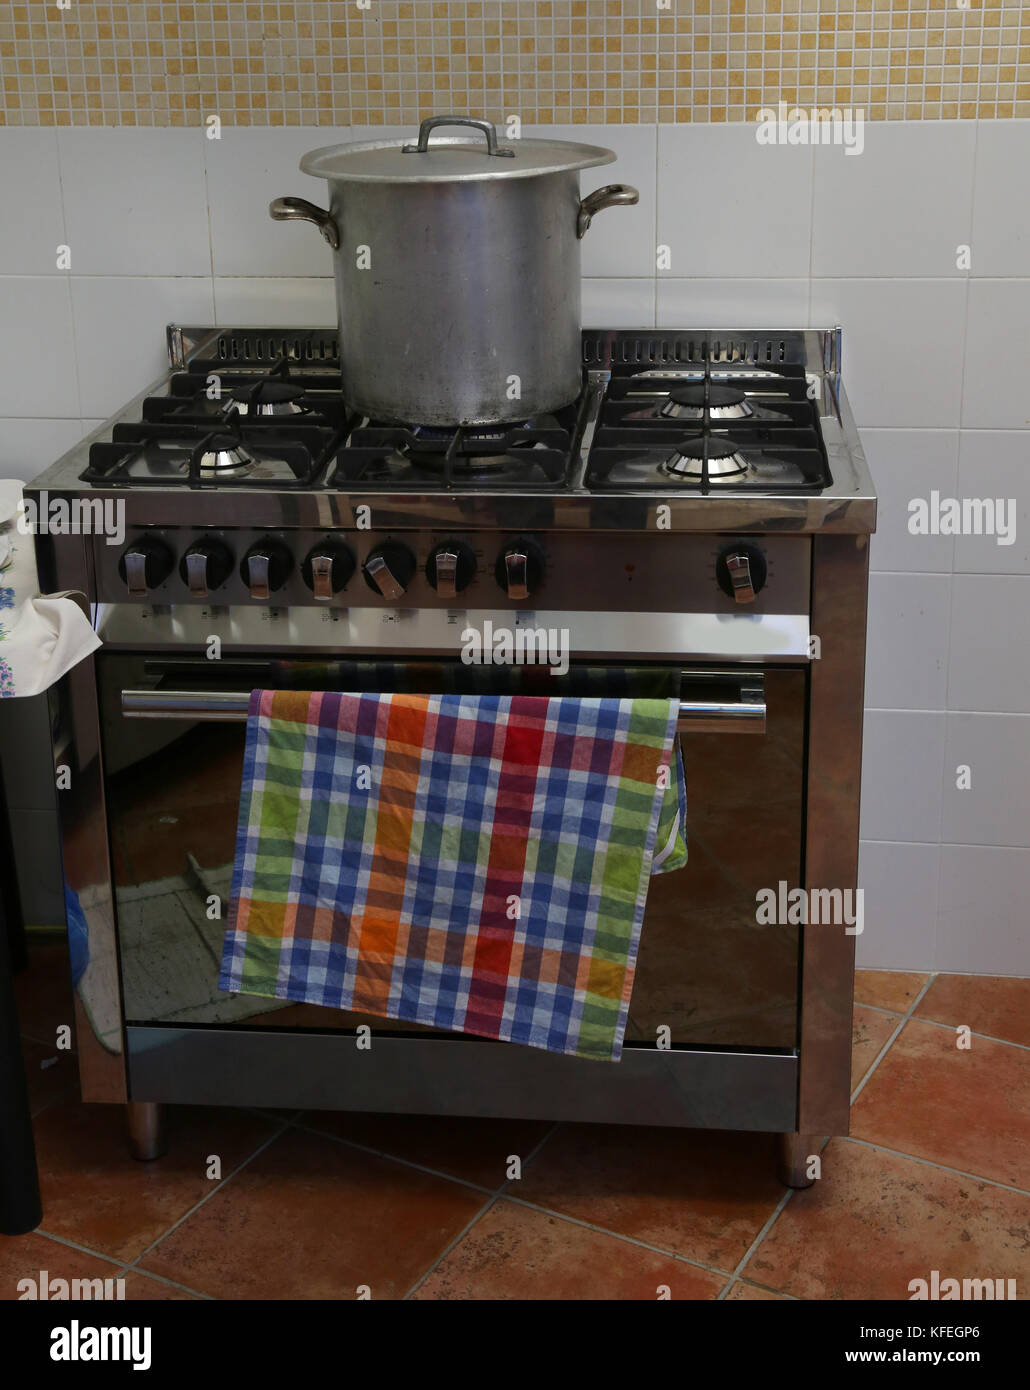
<point x="41" y="636"/>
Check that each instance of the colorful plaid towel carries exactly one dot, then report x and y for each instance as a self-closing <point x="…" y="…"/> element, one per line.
<point x="474" y="863"/>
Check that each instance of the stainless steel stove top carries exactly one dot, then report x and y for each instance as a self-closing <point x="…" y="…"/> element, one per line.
<point x="673" y="430"/>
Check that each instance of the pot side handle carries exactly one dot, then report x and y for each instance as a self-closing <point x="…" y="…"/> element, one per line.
<point x="612" y="195"/>
<point x="299" y="209"/>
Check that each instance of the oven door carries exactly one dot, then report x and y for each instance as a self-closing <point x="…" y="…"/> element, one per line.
<point x="708" y="975"/>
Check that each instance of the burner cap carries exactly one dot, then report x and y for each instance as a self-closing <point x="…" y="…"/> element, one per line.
<point x="724" y="402"/>
<point x="268" y="398"/>
<point x="225" y="454"/>
<point x="725" y="462"/>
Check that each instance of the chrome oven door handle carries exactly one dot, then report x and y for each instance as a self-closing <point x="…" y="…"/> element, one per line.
<point x="744" y="712"/>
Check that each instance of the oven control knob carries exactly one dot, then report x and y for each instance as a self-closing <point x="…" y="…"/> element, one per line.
<point x="520" y="568"/>
<point x="451" y="567"/>
<point x="741" y="572"/>
<point x="206" y="565"/>
<point x="144" y="565"/>
<point x="266" y="567"/>
<point x="389" y="569"/>
<point x="326" y="569"/>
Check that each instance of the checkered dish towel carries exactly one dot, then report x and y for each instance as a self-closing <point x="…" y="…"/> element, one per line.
<point x="475" y="863"/>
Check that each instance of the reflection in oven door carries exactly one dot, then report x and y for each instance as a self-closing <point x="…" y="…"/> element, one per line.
<point x="707" y="974"/>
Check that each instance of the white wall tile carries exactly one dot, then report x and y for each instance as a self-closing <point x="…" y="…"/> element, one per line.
<point x="120" y="332"/>
<point x="907" y="642"/>
<point x="719" y="304"/>
<point x="37" y="368"/>
<point x="902" y="359"/>
<point x="995" y="808"/>
<point x="618" y="303"/>
<point x="996" y="464"/>
<point x="908" y="464"/>
<point x="728" y="206"/>
<point x="983" y="910"/>
<point x="990" y="654"/>
<point x="621" y="240"/>
<point x="32" y="225"/>
<point x="995" y="393"/>
<point x="134" y="200"/>
<point x="901" y="208"/>
<point x="899" y="885"/>
<point x="278" y="303"/>
<point x="246" y="169"/>
<point x="902" y="753"/>
<point x="29" y="447"/>
<point x="1001" y="200"/>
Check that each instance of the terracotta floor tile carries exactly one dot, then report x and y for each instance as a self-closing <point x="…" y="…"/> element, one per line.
<point x="43" y="991"/>
<point x="994" y="1004"/>
<point x="697" y="1193"/>
<point x="95" y="1193"/>
<point x="888" y="989"/>
<point x="875" y="1221"/>
<point x="475" y="1150"/>
<point x="311" y="1218"/>
<point x="969" y="1110"/>
<point x="25" y="1257"/>
<point x="869" y="1033"/>
<point x="750" y="1293"/>
<point x="515" y="1253"/>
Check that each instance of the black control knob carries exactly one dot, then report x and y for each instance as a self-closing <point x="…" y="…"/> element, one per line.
<point x="266" y="567"/>
<point x="326" y="569"/>
<point x="205" y="566"/>
<point x="451" y="567"/>
<point x="741" y="572"/>
<point x="144" y="564"/>
<point x="389" y="569"/>
<point x="520" y="568"/>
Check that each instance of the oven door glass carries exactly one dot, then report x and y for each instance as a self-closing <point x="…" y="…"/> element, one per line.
<point x="708" y="975"/>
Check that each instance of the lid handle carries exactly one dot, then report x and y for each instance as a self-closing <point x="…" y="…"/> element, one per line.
<point x="431" y="122"/>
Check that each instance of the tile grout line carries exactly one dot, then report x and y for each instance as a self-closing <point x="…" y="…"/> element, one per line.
<point x="119" y="1264"/>
<point x="932" y="1163"/>
<point x="987" y="1037"/>
<point x="493" y="1198"/>
<point x="890" y="1041"/>
<point x="134" y="1264"/>
<point x="761" y="1234"/>
<point x="617" y="1235"/>
<point x="393" y="1158"/>
<point x="413" y="1288"/>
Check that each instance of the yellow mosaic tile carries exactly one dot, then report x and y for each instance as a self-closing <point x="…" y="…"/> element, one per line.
<point x="359" y="62"/>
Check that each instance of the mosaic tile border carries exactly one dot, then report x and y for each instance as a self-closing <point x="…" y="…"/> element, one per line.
<point x="358" y="62"/>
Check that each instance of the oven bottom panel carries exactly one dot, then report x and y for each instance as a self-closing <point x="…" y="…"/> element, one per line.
<point x="459" y="1076"/>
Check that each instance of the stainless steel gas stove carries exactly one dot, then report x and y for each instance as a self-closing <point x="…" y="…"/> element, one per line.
<point x="704" y="503"/>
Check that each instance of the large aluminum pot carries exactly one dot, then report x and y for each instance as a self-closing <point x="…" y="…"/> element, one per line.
<point x="457" y="270"/>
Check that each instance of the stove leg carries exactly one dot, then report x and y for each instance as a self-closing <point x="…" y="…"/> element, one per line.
<point x="792" y="1159"/>
<point x="146" y="1129"/>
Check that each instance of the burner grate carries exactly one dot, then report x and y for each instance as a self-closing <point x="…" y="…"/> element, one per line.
<point x="528" y="455"/>
<point x="275" y="454"/>
<point x="710" y="426"/>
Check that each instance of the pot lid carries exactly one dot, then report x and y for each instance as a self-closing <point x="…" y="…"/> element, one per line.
<point x="447" y="158"/>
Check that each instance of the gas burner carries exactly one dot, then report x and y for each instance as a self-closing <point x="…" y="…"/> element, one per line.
<point x="268" y="398"/>
<point x="692" y="402"/>
<point x="225" y="454"/>
<point x="533" y="455"/>
<point x="725" y="462"/>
